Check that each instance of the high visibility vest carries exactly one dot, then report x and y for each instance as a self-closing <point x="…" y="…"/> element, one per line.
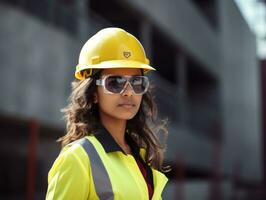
<point x="85" y="171"/>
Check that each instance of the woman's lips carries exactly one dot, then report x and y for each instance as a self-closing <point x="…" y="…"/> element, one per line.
<point x="126" y="105"/>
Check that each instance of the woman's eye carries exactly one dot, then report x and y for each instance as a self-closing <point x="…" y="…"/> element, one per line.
<point x="120" y="80"/>
<point x="136" y="81"/>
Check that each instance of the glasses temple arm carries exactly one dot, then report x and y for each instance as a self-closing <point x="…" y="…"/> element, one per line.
<point x="100" y="82"/>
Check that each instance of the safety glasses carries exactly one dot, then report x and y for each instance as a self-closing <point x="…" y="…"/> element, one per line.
<point x="116" y="84"/>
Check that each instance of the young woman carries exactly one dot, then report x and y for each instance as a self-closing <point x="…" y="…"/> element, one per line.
<point x="111" y="149"/>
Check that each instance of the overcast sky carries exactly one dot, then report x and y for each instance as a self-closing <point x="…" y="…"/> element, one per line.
<point x="254" y="11"/>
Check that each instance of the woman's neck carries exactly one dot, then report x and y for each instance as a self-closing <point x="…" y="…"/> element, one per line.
<point x="116" y="127"/>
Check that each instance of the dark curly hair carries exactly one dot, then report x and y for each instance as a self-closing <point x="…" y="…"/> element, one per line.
<point x="82" y="119"/>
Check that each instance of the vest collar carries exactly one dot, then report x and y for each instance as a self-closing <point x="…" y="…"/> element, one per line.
<point x="110" y="145"/>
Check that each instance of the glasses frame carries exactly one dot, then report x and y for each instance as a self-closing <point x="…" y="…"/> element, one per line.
<point x="101" y="82"/>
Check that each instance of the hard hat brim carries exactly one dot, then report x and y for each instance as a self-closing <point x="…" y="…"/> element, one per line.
<point x="114" y="64"/>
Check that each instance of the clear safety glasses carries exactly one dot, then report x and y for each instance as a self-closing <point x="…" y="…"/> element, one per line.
<point x="116" y="84"/>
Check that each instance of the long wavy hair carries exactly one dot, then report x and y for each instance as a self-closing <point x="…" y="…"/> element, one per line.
<point x="82" y="119"/>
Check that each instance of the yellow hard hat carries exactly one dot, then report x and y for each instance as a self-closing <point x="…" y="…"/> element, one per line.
<point x="111" y="48"/>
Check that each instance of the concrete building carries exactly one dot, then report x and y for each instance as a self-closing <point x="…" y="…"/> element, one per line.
<point x="207" y="81"/>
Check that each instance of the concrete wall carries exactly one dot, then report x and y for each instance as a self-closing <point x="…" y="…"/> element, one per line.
<point x="37" y="63"/>
<point x="184" y="23"/>
<point x="197" y="189"/>
<point x="188" y="148"/>
<point x="240" y="83"/>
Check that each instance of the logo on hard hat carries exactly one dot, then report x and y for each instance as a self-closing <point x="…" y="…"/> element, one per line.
<point x="127" y="54"/>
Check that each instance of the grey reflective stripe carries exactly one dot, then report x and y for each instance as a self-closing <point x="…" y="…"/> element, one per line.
<point x="100" y="176"/>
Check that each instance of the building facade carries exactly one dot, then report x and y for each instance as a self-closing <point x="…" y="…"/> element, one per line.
<point x="207" y="85"/>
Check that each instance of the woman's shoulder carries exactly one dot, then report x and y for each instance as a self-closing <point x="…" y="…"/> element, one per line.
<point x="72" y="153"/>
<point x="70" y="174"/>
<point x="74" y="150"/>
<point x="71" y="158"/>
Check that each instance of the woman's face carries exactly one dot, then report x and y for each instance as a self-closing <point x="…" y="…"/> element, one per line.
<point x="122" y="106"/>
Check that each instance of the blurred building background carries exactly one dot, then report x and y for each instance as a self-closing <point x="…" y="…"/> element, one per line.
<point x="210" y="84"/>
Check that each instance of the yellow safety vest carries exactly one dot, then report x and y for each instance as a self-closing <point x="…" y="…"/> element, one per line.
<point x="95" y="168"/>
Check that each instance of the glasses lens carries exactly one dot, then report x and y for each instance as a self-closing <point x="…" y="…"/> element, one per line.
<point x="115" y="84"/>
<point x="139" y="84"/>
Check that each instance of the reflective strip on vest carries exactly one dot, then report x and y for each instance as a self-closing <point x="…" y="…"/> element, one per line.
<point x="100" y="176"/>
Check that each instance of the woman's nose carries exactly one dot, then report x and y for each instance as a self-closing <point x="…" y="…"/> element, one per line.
<point x="128" y="91"/>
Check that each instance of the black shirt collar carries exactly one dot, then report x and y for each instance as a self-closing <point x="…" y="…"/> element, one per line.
<point x="110" y="145"/>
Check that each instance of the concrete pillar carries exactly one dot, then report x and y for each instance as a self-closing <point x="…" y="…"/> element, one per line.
<point x="82" y="19"/>
<point x="146" y="38"/>
<point x="181" y="86"/>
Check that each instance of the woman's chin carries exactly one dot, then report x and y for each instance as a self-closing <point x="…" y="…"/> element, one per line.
<point x="125" y="117"/>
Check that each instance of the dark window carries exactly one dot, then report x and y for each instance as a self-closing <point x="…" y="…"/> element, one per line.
<point x="164" y="56"/>
<point x="203" y="99"/>
<point x="209" y="10"/>
<point x="19" y="167"/>
<point x="60" y="13"/>
<point x="117" y="14"/>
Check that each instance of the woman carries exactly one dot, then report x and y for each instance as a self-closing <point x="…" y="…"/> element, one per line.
<point x="111" y="149"/>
